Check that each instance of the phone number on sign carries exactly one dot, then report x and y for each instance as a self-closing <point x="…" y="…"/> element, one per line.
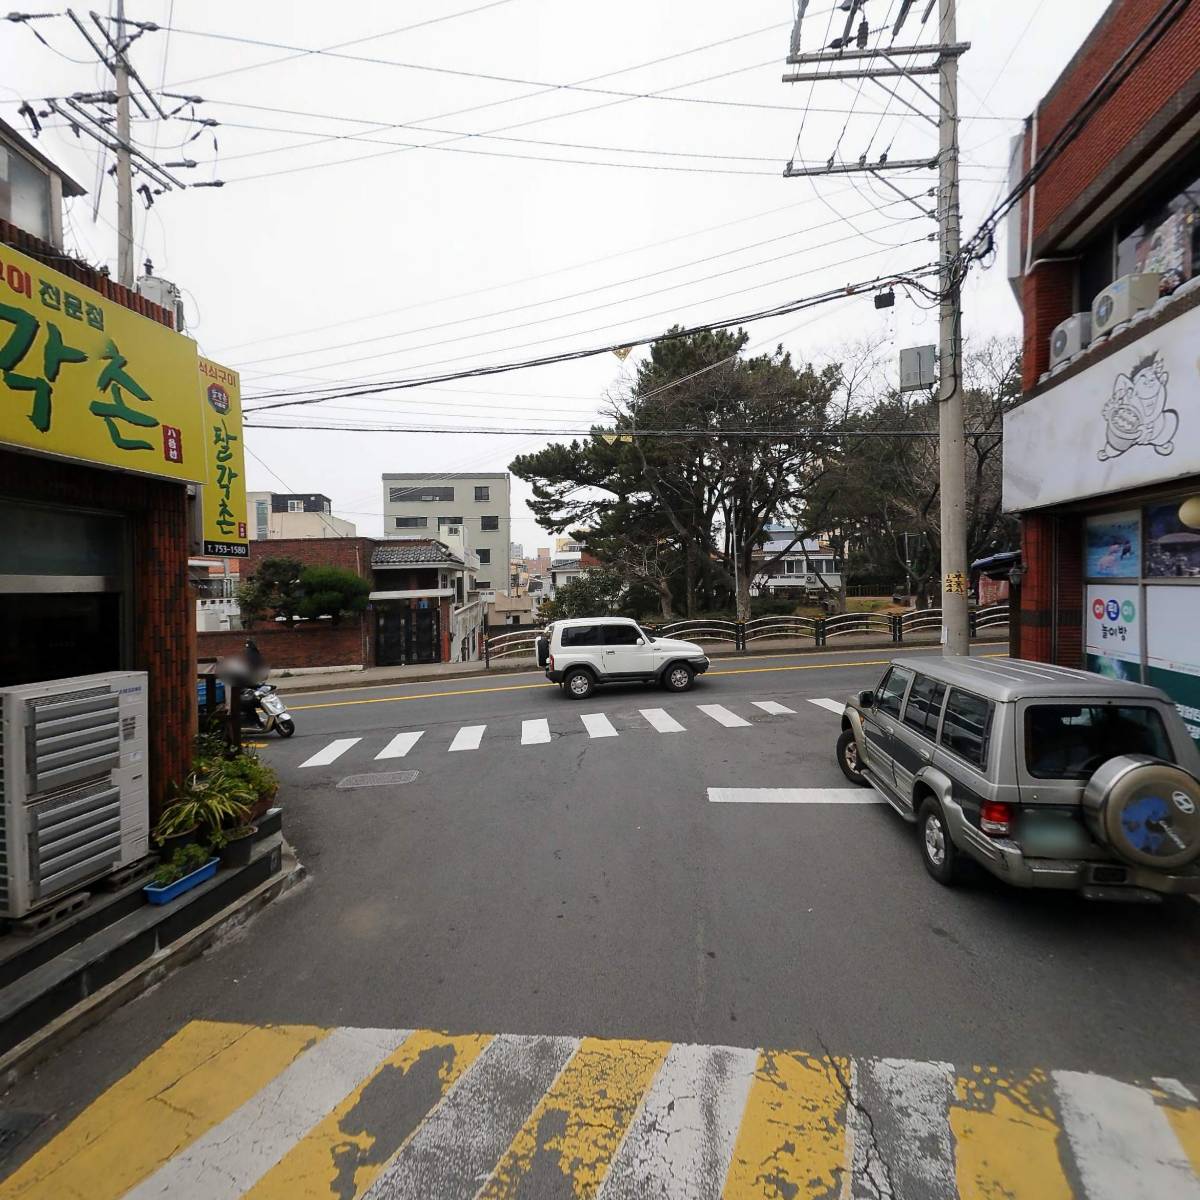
<point x="227" y="549"/>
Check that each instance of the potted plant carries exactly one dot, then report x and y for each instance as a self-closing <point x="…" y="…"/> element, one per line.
<point x="213" y="798"/>
<point x="254" y="774"/>
<point x="234" y="845"/>
<point x="188" y="866"/>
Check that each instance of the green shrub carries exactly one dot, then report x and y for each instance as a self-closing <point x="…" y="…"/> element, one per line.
<point x="184" y="861"/>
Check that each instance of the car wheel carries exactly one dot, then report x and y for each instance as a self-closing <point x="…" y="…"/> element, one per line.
<point x="938" y="853"/>
<point x="678" y="677"/>
<point x="847" y="756"/>
<point x="579" y="684"/>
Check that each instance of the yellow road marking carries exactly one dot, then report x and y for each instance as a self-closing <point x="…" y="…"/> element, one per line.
<point x="1007" y="1138"/>
<point x="343" y="1154"/>
<point x="525" y="687"/>
<point x="578" y="1124"/>
<point x="190" y="1084"/>
<point x="792" y="1142"/>
<point x="1185" y="1124"/>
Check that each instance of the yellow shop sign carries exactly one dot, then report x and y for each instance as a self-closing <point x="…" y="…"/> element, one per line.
<point x="83" y="378"/>
<point x="223" y="497"/>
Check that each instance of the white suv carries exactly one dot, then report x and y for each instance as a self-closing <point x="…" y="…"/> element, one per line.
<point x="583" y="652"/>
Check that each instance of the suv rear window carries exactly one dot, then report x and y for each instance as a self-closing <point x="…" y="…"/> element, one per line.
<point x="966" y="726"/>
<point x="583" y="635"/>
<point x="924" y="705"/>
<point x="1069" y="741"/>
<point x="621" y="635"/>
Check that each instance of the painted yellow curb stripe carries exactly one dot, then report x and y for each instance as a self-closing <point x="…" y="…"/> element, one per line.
<point x="578" y="1124"/>
<point x="792" y="1141"/>
<point x="343" y="1155"/>
<point x="191" y="1083"/>
<point x="1007" y="1136"/>
<point x="1185" y="1124"/>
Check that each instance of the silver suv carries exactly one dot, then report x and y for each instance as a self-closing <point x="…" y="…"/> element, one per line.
<point x="583" y="652"/>
<point x="1045" y="776"/>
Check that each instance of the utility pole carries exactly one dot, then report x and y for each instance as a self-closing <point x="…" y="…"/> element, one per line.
<point x="952" y="443"/>
<point x="124" y="159"/>
<point x="883" y="64"/>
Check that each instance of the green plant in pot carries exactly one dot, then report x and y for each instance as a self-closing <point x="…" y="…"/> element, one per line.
<point x="183" y="861"/>
<point x="251" y="772"/>
<point x="211" y="799"/>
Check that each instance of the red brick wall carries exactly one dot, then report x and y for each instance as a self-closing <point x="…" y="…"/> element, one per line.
<point x="1049" y="300"/>
<point x="306" y="644"/>
<point x="354" y="554"/>
<point x="1051" y="625"/>
<point x="164" y="608"/>
<point x="1124" y="118"/>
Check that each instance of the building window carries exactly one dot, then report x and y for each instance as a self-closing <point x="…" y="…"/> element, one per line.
<point x="483" y="493"/>
<point x="412" y="522"/>
<point x="325" y="507"/>
<point x="406" y="495"/>
<point x="483" y="585"/>
<point x="261" y="519"/>
<point x="485" y="557"/>
<point x="489" y="524"/>
<point x="295" y="506"/>
<point x="444" y="521"/>
<point x="25" y="195"/>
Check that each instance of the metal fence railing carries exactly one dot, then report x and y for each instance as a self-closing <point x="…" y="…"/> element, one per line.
<point x="897" y="628"/>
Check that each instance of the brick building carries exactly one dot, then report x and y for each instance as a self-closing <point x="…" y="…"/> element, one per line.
<point x="1102" y="456"/>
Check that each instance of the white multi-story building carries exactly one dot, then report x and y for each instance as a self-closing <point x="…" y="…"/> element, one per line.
<point x="416" y="504"/>
<point x="301" y="515"/>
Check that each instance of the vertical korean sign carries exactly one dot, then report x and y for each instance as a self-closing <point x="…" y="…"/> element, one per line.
<point x="83" y="378"/>
<point x="223" y="497"/>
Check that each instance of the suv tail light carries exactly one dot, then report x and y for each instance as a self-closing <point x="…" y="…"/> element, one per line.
<point x="995" y="818"/>
<point x="551" y="661"/>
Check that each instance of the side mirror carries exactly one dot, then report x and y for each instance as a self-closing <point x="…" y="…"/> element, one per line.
<point x="641" y="641"/>
<point x="866" y="699"/>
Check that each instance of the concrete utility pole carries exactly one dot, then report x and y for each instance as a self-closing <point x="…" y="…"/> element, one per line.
<point x="952" y="443"/>
<point x="124" y="163"/>
<point x="884" y="64"/>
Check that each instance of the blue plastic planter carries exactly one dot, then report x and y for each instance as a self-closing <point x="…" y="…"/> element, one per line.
<point x="164" y="895"/>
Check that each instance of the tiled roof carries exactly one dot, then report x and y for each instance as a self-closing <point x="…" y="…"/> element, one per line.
<point x="404" y="553"/>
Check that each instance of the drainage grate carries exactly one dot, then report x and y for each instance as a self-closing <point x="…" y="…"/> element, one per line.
<point x="15" y="1127"/>
<point x="386" y="779"/>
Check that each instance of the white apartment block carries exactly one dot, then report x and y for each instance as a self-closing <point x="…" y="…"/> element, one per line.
<point x="421" y="505"/>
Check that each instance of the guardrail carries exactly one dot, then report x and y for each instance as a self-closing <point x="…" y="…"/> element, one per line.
<point x="523" y="643"/>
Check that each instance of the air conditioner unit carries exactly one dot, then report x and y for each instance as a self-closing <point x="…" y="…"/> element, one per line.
<point x="1119" y="302"/>
<point x="165" y="294"/>
<point x="1072" y="336"/>
<point x="73" y="795"/>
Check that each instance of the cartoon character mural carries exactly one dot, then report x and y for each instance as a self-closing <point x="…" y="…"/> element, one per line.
<point x="1137" y="412"/>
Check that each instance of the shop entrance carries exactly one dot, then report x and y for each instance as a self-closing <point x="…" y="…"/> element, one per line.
<point x="63" y="593"/>
<point x="406" y="635"/>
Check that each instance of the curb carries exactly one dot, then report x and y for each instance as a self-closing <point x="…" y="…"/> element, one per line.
<point x="530" y="667"/>
<point x="23" y="1058"/>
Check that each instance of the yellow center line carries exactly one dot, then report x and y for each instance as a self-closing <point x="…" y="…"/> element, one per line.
<point x="525" y="687"/>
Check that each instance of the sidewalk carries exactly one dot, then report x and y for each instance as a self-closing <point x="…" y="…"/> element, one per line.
<point x="430" y="672"/>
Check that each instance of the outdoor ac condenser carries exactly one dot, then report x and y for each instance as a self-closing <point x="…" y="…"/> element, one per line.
<point x="1072" y="336"/>
<point x="1120" y="301"/>
<point x="73" y="796"/>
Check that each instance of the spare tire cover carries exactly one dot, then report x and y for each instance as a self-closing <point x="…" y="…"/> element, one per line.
<point x="1146" y="810"/>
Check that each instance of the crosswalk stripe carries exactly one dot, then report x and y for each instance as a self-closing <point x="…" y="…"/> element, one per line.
<point x="1122" y="1143"/>
<point x="534" y="733"/>
<point x="792" y="1141"/>
<point x="909" y="1104"/>
<point x="679" y="1144"/>
<point x="722" y="715"/>
<point x="344" y="1154"/>
<point x="460" y="1142"/>
<point x="661" y="720"/>
<point x="833" y="706"/>
<point x="598" y="725"/>
<point x="331" y="753"/>
<point x="400" y="745"/>
<point x="188" y="1085"/>
<point x="468" y="737"/>
<point x="576" y="1127"/>
<point x="1007" y="1136"/>
<point x="774" y="708"/>
<point x="232" y="1156"/>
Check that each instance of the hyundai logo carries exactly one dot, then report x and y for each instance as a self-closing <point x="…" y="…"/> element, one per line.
<point x="1183" y="802"/>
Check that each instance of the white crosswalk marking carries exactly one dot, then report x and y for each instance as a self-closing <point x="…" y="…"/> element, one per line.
<point x="330" y="753"/>
<point x="534" y="733"/>
<point x="661" y="720"/>
<point x="598" y="725"/>
<point x="722" y="715"/>
<point x="1122" y="1141"/>
<point x="833" y="706"/>
<point x="468" y="737"/>
<point x="400" y="745"/>
<point x="773" y="707"/>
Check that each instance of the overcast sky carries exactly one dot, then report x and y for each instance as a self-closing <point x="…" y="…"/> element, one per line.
<point x="337" y="252"/>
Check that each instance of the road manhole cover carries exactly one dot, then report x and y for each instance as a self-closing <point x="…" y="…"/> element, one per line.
<point x="384" y="779"/>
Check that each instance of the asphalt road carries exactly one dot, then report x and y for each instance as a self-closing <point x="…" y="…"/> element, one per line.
<point x="573" y="878"/>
